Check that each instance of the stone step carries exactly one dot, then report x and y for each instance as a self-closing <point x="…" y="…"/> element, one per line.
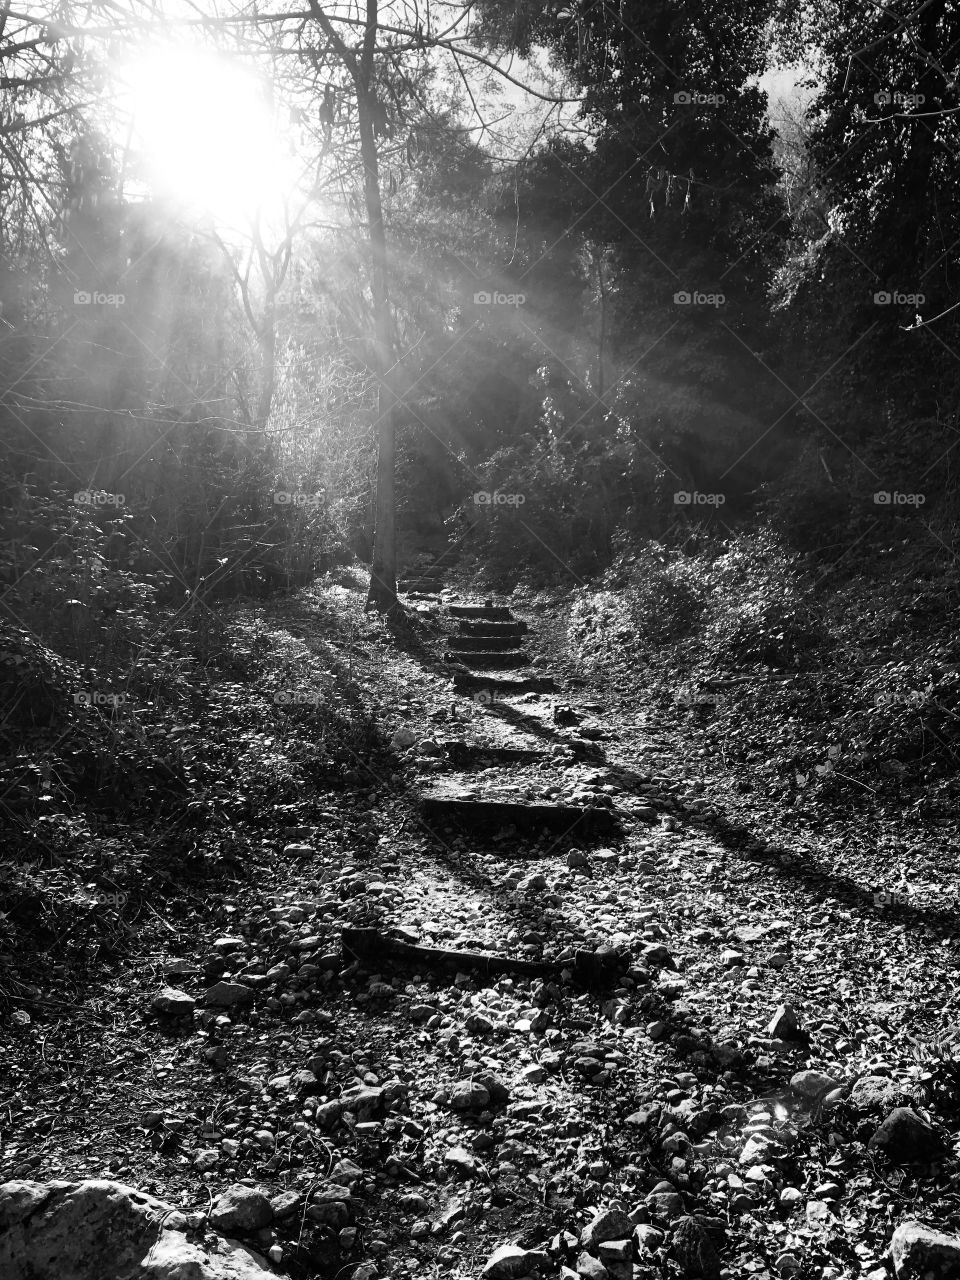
<point x="469" y="628"/>
<point x="496" y="687"/>
<point x="486" y="815"/>
<point x="482" y="644"/>
<point x="484" y="659"/>
<point x="488" y="612"/>
<point x="471" y="755"/>
<point x="468" y="755"/>
<point x="426" y="586"/>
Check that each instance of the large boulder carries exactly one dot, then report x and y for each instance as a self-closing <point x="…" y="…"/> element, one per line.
<point x="918" y="1251"/>
<point x="101" y="1230"/>
<point x="906" y="1138"/>
<point x="876" y="1095"/>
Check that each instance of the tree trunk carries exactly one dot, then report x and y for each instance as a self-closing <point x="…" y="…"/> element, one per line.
<point x="267" y="342"/>
<point x="383" y="574"/>
<point x="602" y="334"/>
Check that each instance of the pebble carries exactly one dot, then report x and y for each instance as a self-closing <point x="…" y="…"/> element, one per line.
<point x="172" y="1003"/>
<point x="228" y="994"/>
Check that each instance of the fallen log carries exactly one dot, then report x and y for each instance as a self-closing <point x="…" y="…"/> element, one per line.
<point x="370" y="945"/>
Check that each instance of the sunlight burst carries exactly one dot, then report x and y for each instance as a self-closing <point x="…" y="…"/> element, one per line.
<point x="205" y="130"/>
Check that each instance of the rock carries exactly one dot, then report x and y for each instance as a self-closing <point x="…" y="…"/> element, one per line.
<point x="785" y="1025"/>
<point x="577" y="858"/>
<point x="657" y="956"/>
<point x="590" y="1268"/>
<point x="828" y="1191"/>
<point x="479" y="1023"/>
<point x="875" y="1095"/>
<point x="615" y="1251"/>
<point x="468" y="1095"/>
<point x="225" y="995"/>
<point x="918" y="1252"/>
<point x="304" y="1083"/>
<point x="731" y="959"/>
<point x="649" y="1238"/>
<point x="694" y="1251"/>
<point x="366" y="1102"/>
<point x="327" y="1114"/>
<point x="103" y="1230"/>
<point x="498" y="1091"/>
<point x="508" y="1263"/>
<point x="207" y="1159"/>
<point x="907" y="1138"/>
<point x="285" y="1205"/>
<point x="346" y="1171"/>
<point x="666" y="1206"/>
<point x="333" y="1213"/>
<point x="608" y="1224"/>
<point x="169" y="1002"/>
<point x="241" y="1208"/>
<point x="460" y="1159"/>
<point x="812" y="1084"/>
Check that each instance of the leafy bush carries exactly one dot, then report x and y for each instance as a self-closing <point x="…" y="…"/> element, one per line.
<point x="762" y="609"/>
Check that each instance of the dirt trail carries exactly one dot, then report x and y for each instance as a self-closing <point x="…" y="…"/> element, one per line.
<point x="438" y="1114"/>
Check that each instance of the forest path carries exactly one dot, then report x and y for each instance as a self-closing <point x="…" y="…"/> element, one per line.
<point x="419" y="1116"/>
